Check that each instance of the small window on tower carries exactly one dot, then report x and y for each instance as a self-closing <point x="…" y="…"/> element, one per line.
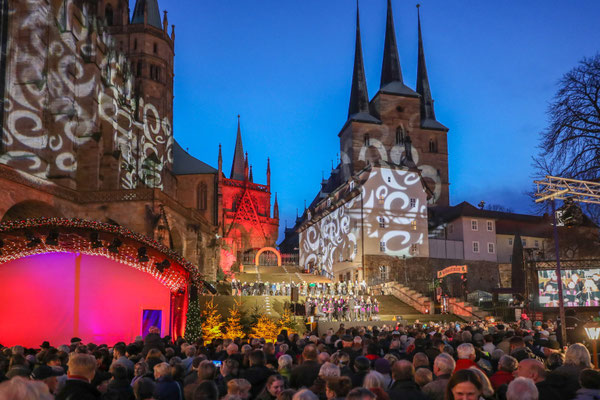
<point x="432" y="146"/>
<point x="367" y="140"/>
<point x="108" y="15"/>
<point x="155" y="48"/>
<point x="413" y="225"/>
<point x="400" y="134"/>
<point x="135" y="44"/>
<point x="139" y="68"/>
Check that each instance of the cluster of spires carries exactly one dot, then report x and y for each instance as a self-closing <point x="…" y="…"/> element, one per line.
<point x="391" y="77"/>
<point x="241" y="170"/>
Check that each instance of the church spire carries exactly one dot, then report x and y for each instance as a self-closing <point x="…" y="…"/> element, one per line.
<point x="146" y="11"/>
<point x="427" y="114"/>
<point x="276" y="208"/>
<point x="391" y="72"/>
<point x="220" y="162"/>
<point x="359" y="96"/>
<point x="238" y="167"/>
<point x="268" y="173"/>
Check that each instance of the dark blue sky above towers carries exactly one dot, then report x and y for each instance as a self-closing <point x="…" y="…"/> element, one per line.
<point x="286" y="67"/>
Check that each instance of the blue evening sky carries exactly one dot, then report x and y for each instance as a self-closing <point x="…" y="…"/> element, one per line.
<point x="286" y="67"/>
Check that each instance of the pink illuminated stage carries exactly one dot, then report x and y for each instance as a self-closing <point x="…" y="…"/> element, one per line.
<point x="60" y="279"/>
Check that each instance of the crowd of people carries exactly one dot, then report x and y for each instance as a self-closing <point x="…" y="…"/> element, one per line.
<point x="312" y="289"/>
<point x="414" y="362"/>
<point x="342" y="308"/>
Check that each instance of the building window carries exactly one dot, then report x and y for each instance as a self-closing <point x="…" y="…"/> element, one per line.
<point x="139" y="68"/>
<point x="400" y="134"/>
<point x="381" y="222"/>
<point x="155" y="48"/>
<point x="389" y="179"/>
<point x="367" y="140"/>
<point x="536" y="244"/>
<point x="135" y="44"/>
<point x="384" y="272"/>
<point x="413" y="225"/>
<point x="414" y="249"/>
<point x="475" y="247"/>
<point x="381" y="199"/>
<point x="202" y="196"/>
<point x="491" y="248"/>
<point x="524" y="242"/>
<point x="329" y="202"/>
<point x="450" y="228"/>
<point x="510" y="241"/>
<point x="351" y="185"/>
<point x="382" y="246"/>
<point x="474" y="225"/>
<point x="413" y="203"/>
<point x="490" y="226"/>
<point x="432" y="146"/>
<point x="108" y="15"/>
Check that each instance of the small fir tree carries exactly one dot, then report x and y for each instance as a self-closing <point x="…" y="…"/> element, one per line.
<point x="265" y="328"/>
<point x="287" y="321"/>
<point x="193" y="326"/>
<point x="213" y="322"/>
<point x="234" y="322"/>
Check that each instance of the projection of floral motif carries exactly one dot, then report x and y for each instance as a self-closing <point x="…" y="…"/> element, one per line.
<point x="394" y="214"/>
<point x="68" y="86"/>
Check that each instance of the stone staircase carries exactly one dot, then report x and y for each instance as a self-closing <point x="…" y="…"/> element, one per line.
<point x="424" y="304"/>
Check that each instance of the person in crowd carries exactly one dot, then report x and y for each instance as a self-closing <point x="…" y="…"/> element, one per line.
<point x="506" y="368"/>
<point x="275" y="385"/>
<point x="305" y="394"/>
<point x="166" y="387"/>
<point x="306" y="373"/>
<point x="20" y="388"/>
<point x="577" y="358"/>
<point x="404" y="386"/>
<point x="361" y="393"/>
<point x="464" y="385"/>
<point x="81" y="371"/>
<point x="285" y="363"/>
<point x="143" y="389"/>
<point x="522" y="389"/>
<point x="466" y="357"/>
<point x="257" y="374"/>
<point x="48" y="375"/>
<point x="338" y="388"/>
<point x="206" y="390"/>
<point x="362" y="366"/>
<point x="119" y="357"/>
<point x="589" y="379"/>
<point x="443" y="366"/>
<point x="287" y="394"/>
<point x="229" y="370"/>
<point x="551" y="389"/>
<point x="119" y="386"/>
<point x="240" y="388"/>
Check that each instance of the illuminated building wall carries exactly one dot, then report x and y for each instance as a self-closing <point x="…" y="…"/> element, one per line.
<point x="71" y="112"/>
<point x="384" y="212"/>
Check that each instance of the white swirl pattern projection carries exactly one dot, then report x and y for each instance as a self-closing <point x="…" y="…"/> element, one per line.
<point x="392" y="200"/>
<point x="67" y="86"/>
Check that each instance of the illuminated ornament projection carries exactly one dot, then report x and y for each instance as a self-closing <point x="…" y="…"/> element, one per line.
<point x="99" y="239"/>
<point x="392" y="201"/>
<point x="49" y="106"/>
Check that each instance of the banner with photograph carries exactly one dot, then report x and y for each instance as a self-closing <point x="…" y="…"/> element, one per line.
<point x="580" y="288"/>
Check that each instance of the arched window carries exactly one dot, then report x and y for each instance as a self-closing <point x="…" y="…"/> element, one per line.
<point x="139" y="68"/>
<point x="202" y="196"/>
<point x="367" y="140"/>
<point x="108" y="15"/>
<point x="432" y="146"/>
<point x="135" y="44"/>
<point x="400" y="134"/>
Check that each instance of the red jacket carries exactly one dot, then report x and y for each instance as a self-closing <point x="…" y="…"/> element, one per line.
<point x="500" y="378"/>
<point x="465" y="364"/>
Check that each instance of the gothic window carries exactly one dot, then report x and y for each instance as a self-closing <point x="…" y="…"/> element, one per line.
<point x="139" y="68"/>
<point x="202" y="196"/>
<point x="108" y="14"/>
<point x="432" y="146"/>
<point x="155" y="48"/>
<point x="367" y="140"/>
<point x="383" y="272"/>
<point x="381" y="222"/>
<point x="382" y="246"/>
<point x="135" y="44"/>
<point x="400" y="134"/>
<point x="151" y="71"/>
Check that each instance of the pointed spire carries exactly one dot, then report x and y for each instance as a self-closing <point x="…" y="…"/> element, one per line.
<point x="268" y="173"/>
<point x="246" y="167"/>
<point x="220" y="162"/>
<point x="146" y="12"/>
<point x="237" y="167"/>
<point x="427" y="114"/>
<point x="165" y="21"/>
<point x="358" y="109"/>
<point x="276" y="208"/>
<point x="250" y="178"/>
<point x="391" y="72"/>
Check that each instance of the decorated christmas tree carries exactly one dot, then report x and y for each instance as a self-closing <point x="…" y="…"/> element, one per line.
<point x="287" y="321"/>
<point x="265" y="328"/>
<point x="234" y="322"/>
<point x="212" y="322"/>
<point x="193" y="328"/>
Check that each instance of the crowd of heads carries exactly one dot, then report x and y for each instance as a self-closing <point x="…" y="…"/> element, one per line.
<point x="311" y="289"/>
<point x="417" y="361"/>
